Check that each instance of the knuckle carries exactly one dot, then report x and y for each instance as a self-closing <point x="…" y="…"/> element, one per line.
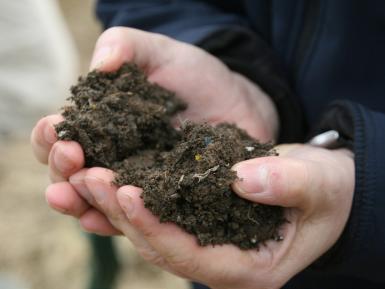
<point x="183" y="264"/>
<point x="148" y="233"/>
<point x="112" y="36"/>
<point x="116" y="215"/>
<point x="37" y="137"/>
<point x="54" y="177"/>
<point x="150" y="255"/>
<point x="44" y="125"/>
<point x="276" y="178"/>
<point x="163" y="40"/>
<point x="116" y="34"/>
<point x="90" y="173"/>
<point x="288" y="180"/>
<point x="114" y="31"/>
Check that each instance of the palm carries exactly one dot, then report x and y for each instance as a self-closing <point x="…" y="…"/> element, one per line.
<point x="317" y="208"/>
<point x="213" y="93"/>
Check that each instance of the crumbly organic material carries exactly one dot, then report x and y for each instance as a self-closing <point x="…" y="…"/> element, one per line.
<point x="123" y="122"/>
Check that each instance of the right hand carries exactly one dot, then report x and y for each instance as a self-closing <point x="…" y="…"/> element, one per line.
<point x="213" y="93"/>
<point x="314" y="185"/>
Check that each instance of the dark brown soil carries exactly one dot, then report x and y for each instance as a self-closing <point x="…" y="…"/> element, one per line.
<point x="123" y="123"/>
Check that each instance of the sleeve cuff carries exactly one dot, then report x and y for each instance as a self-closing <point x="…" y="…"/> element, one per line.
<point x="360" y="250"/>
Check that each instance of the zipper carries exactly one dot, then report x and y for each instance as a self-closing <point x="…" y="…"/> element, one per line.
<point x="306" y="35"/>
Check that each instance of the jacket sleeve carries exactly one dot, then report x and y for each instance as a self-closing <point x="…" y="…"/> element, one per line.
<point x="186" y="20"/>
<point x="360" y="252"/>
<point x="221" y="28"/>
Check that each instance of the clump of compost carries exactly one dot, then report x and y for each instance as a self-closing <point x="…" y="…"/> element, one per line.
<point x="123" y="122"/>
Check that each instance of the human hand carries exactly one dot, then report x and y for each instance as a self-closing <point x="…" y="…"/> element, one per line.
<point x="213" y="92"/>
<point x="314" y="185"/>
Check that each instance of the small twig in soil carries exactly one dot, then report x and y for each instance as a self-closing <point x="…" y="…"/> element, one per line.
<point x="201" y="177"/>
<point x="174" y="196"/>
<point x="182" y="121"/>
<point x="250" y="149"/>
<point x="62" y="133"/>
<point x="180" y="181"/>
<point x="252" y="219"/>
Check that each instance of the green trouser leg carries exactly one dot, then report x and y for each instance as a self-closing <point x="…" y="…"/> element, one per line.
<point x="104" y="263"/>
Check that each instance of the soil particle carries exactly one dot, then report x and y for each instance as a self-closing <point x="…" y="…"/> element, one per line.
<point x="123" y="122"/>
<point x="115" y="115"/>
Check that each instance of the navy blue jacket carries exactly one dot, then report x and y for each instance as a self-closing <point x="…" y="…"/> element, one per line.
<point x="332" y="54"/>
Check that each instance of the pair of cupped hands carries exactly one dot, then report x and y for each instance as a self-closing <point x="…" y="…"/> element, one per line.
<point x="314" y="185"/>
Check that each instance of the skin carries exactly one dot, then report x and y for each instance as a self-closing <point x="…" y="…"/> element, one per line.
<point x="314" y="185"/>
<point x="223" y="96"/>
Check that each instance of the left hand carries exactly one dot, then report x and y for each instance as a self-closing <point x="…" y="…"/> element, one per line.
<point x="314" y="185"/>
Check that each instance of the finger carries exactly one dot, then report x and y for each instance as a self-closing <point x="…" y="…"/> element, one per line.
<point x="65" y="159"/>
<point x="99" y="184"/>
<point x="179" y="249"/>
<point x="93" y="221"/>
<point x="96" y="186"/>
<point x="282" y="181"/>
<point x="63" y="198"/>
<point x="121" y="44"/>
<point x="91" y="184"/>
<point x="77" y="181"/>
<point x="166" y="239"/>
<point x="43" y="136"/>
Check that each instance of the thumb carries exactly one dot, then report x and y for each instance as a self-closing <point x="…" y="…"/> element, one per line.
<point x="281" y="181"/>
<point x="121" y="44"/>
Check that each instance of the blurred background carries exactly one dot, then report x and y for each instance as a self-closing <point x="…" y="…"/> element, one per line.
<point x="45" y="45"/>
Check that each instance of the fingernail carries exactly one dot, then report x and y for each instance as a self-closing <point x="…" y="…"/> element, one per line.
<point x="50" y="134"/>
<point x="252" y="178"/>
<point x="127" y="205"/>
<point x="98" y="188"/>
<point x="61" y="161"/>
<point x="59" y="209"/>
<point x="100" y="56"/>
